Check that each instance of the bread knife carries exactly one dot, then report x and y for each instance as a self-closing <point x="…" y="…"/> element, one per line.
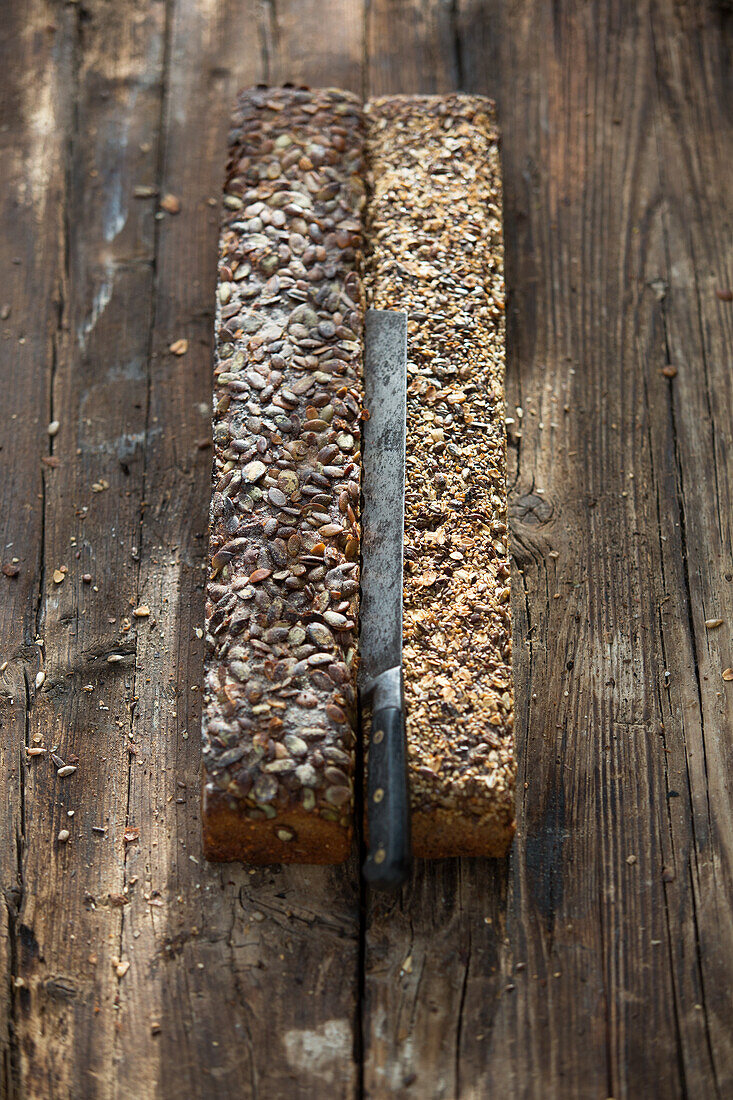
<point x="389" y="857"/>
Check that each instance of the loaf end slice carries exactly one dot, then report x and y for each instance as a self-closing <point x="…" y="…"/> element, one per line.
<point x="295" y="835"/>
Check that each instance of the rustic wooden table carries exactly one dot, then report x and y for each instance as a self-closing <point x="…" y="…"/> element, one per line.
<point x="598" y="960"/>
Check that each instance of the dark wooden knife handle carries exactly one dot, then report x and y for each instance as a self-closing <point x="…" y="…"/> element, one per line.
<point x="389" y="861"/>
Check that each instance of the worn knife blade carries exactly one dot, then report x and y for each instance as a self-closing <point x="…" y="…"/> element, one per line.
<point x="389" y="858"/>
<point x="383" y="488"/>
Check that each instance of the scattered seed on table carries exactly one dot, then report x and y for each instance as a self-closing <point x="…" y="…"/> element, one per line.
<point x="53" y="427"/>
<point x="712" y="623"/>
<point x="179" y="347"/>
<point x="68" y="769"/>
<point x="64" y="835"/>
<point x="171" y="204"/>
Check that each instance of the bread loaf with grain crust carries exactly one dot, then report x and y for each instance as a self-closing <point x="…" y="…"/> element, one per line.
<point x="435" y="250"/>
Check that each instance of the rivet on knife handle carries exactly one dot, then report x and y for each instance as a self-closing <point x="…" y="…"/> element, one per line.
<point x="380" y="675"/>
<point x="390" y="850"/>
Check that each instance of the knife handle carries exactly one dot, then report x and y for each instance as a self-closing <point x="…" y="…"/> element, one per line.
<point x="389" y="861"/>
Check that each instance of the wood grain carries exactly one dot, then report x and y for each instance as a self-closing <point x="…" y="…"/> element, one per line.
<point x="98" y="379"/>
<point x="33" y="122"/>
<point x="598" y="960"/>
<point x="412" y="46"/>
<point x="597" y="950"/>
<point x="212" y="947"/>
<point x="315" y="42"/>
<point x="607" y="875"/>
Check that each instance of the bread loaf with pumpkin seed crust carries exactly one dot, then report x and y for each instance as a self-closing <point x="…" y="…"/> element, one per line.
<point x="279" y="708"/>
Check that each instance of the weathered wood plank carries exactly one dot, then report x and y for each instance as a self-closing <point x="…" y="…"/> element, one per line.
<point x="239" y="981"/>
<point x="578" y="672"/>
<point x="609" y="868"/>
<point x="593" y="962"/>
<point x="692" y="45"/>
<point x="70" y="918"/>
<point x="34" y="117"/>
<point x="423" y="951"/>
<point x="315" y="42"/>
<point x="412" y="47"/>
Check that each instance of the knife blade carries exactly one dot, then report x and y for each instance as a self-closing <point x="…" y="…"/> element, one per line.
<point x="389" y="856"/>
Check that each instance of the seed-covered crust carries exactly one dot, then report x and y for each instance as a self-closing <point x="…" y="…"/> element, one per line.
<point x="435" y="250"/>
<point x="279" y="709"/>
